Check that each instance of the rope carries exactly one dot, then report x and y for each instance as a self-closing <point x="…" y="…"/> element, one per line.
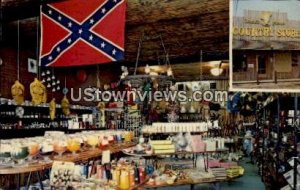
<point x="138" y="53"/>
<point x="37" y="47"/>
<point x="18" y="51"/>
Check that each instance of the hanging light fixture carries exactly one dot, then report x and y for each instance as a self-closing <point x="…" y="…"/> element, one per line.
<point x="216" y="69"/>
<point x="58" y="88"/>
<point x="43" y="74"/>
<point x="147" y="69"/>
<point x="169" y="72"/>
<point x="53" y="83"/>
<point x="48" y="79"/>
<point x="53" y="89"/>
<point x="150" y="74"/>
<point x="53" y="77"/>
<point x="48" y="85"/>
<point x="58" y="82"/>
<point x="48" y="72"/>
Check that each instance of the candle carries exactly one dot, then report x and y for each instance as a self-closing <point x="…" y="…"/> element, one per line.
<point x="124" y="180"/>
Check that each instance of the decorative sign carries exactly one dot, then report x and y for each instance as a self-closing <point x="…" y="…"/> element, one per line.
<point x="250" y="65"/>
<point x="265" y="24"/>
<point x="32" y="66"/>
<point x="265" y="30"/>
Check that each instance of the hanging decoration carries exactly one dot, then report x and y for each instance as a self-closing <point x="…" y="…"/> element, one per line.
<point x="81" y="76"/>
<point x="17" y="91"/>
<point x="65" y="106"/>
<point x="151" y="79"/>
<point x="52" y="109"/>
<point x="50" y="80"/>
<point x="38" y="92"/>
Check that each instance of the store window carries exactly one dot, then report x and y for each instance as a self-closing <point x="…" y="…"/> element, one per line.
<point x="261" y="61"/>
<point x="295" y="59"/>
<point x="239" y="62"/>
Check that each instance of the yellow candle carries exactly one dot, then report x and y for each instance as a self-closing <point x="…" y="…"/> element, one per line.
<point x="124" y="180"/>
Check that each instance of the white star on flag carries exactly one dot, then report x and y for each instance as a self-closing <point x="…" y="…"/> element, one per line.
<point x="92" y="21"/>
<point x="50" y="58"/>
<point x="91" y="37"/>
<point x="103" y="45"/>
<point x="50" y="12"/>
<point x="103" y="10"/>
<point x="59" y="18"/>
<point x="114" y="52"/>
<point x="58" y="49"/>
<point x="80" y="31"/>
<point x="69" y="40"/>
<point x="70" y="24"/>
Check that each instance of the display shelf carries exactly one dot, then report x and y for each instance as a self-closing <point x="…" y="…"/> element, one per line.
<point x="32" y="132"/>
<point x="81" y="156"/>
<point x="43" y="108"/>
<point x="167" y="133"/>
<point x="188" y="181"/>
<point x="174" y="153"/>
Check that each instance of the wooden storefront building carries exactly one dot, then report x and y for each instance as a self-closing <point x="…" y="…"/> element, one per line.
<point x="266" y="47"/>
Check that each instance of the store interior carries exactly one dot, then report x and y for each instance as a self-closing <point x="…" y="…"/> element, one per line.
<point x="54" y="137"/>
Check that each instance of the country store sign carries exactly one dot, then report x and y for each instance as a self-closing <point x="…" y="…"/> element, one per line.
<point x="265" y="25"/>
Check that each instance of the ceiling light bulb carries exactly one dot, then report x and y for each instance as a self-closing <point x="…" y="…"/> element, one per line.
<point x="169" y="71"/>
<point x="147" y="69"/>
<point x="122" y="76"/>
<point x="216" y="71"/>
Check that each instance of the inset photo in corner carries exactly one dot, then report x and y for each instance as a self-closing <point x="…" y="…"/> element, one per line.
<point x="265" y="43"/>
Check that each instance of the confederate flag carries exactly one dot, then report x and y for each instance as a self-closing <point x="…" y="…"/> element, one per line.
<point x="81" y="32"/>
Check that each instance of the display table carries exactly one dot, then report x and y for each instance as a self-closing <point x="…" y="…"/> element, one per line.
<point x="190" y="182"/>
<point x="89" y="154"/>
<point x="39" y="166"/>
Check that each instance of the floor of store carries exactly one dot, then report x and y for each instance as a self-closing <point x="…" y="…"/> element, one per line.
<point x="249" y="181"/>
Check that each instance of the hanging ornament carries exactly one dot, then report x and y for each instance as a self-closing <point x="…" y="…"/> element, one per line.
<point x="17" y="91"/>
<point x="81" y="75"/>
<point x="52" y="109"/>
<point x="65" y="91"/>
<point x="38" y="92"/>
<point x="65" y="105"/>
